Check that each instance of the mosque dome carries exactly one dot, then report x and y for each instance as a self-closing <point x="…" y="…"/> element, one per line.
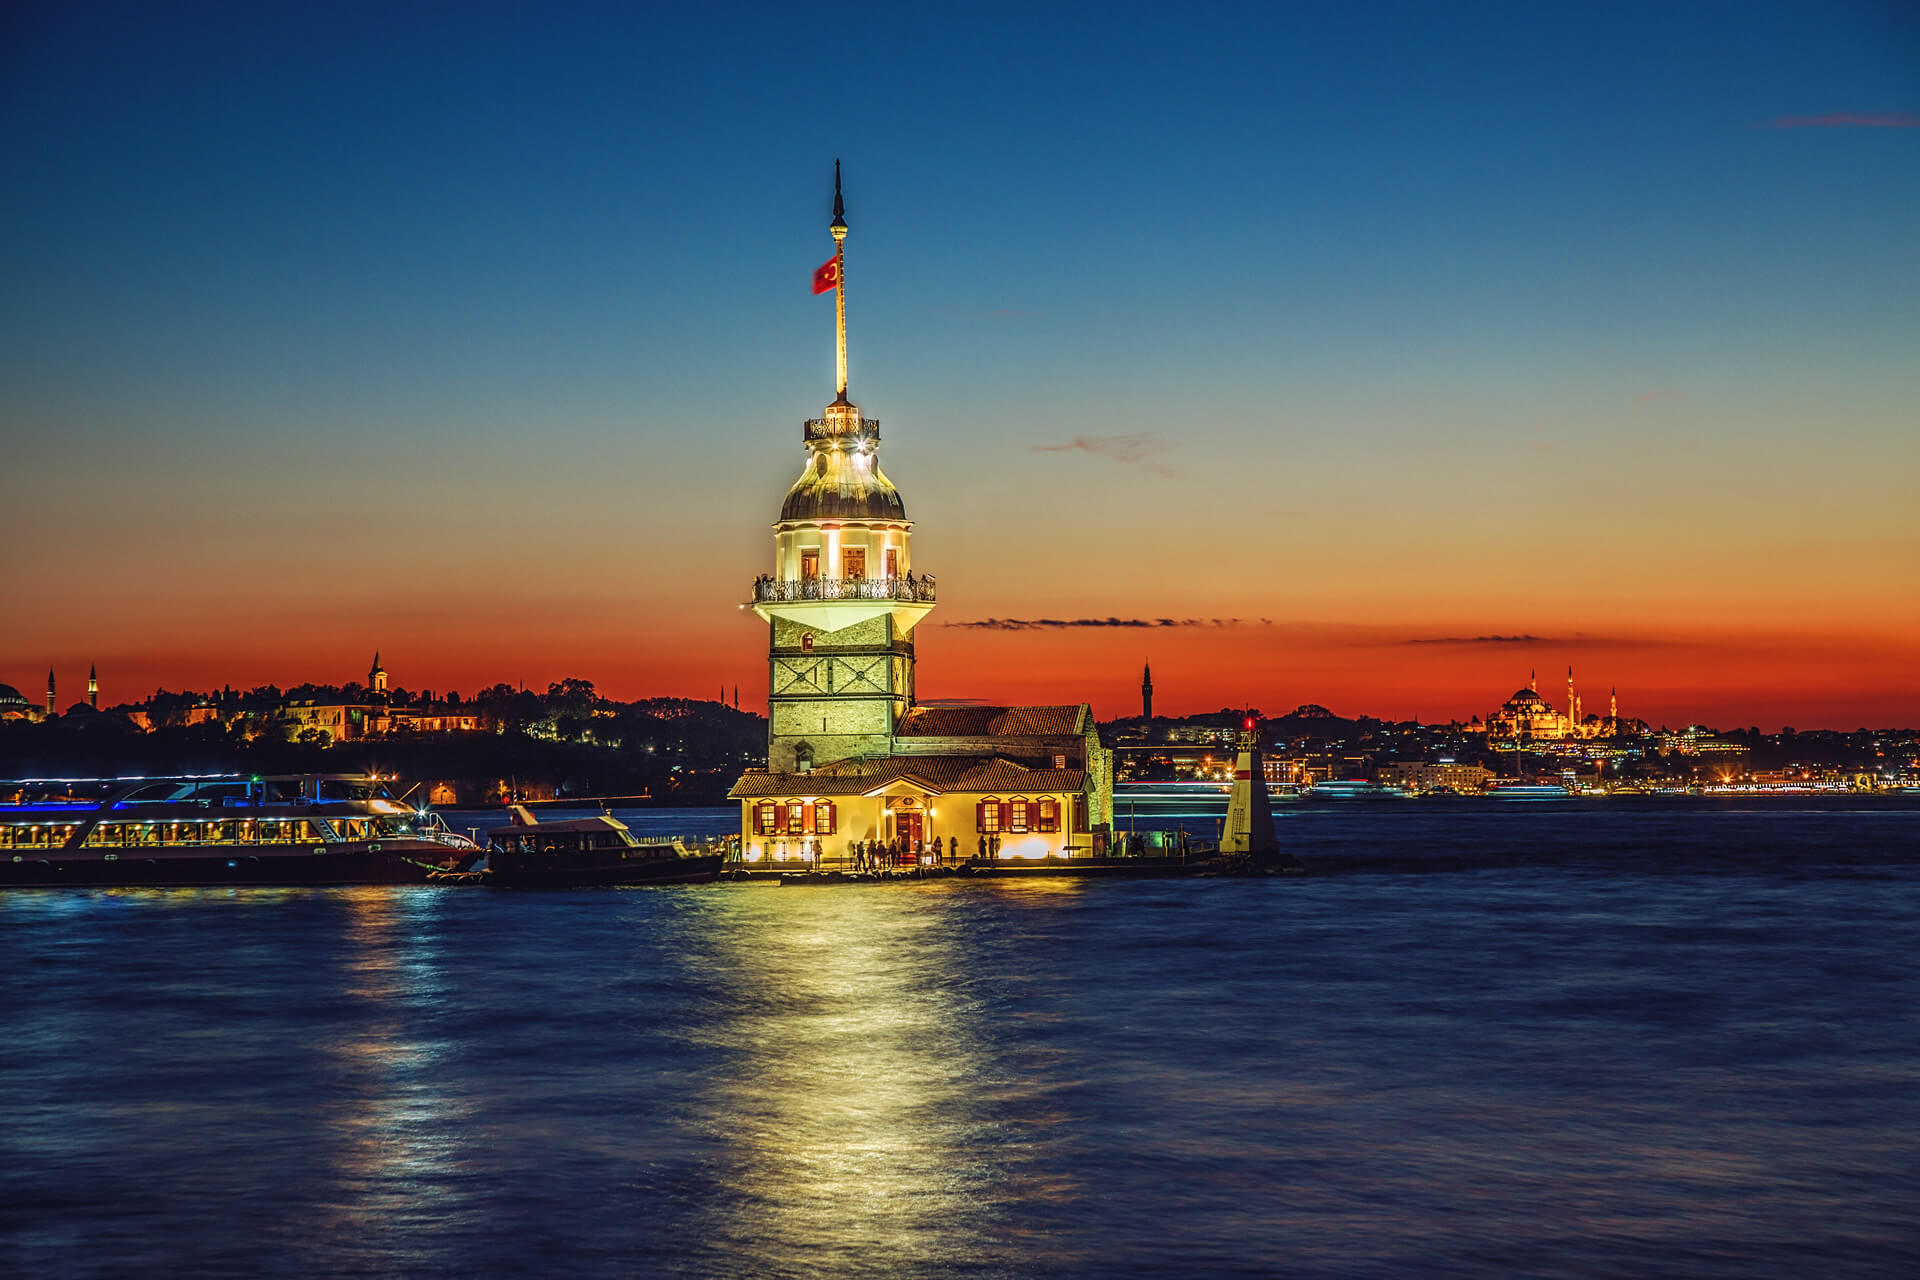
<point x="10" y="697"/>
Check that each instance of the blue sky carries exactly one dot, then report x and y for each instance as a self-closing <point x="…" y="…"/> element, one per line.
<point x="1474" y="273"/>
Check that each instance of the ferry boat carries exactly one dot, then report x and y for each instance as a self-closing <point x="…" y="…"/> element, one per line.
<point x="597" y="850"/>
<point x="1527" y="791"/>
<point x="230" y="830"/>
<point x="1353" y="789"/>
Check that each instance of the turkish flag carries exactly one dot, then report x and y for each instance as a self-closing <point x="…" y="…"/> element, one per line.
<point x="826" y="278"/>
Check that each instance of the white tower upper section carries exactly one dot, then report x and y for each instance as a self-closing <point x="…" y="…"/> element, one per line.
<point x="842" y="550"/>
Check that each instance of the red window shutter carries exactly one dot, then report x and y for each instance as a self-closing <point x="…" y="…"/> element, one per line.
<point x="980" y="816"/>
<point x="806" y="817"/>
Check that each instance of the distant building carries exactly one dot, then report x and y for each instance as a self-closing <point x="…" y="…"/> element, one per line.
<point x="15" y="706"/>
<point x="377" y="715"/>
<point x="1529" y="716"/>
<point x="1422" y="776"/>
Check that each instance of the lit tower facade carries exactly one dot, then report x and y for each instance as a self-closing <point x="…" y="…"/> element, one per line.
<point x="52" y="706"/>
<point x="376" y="675"/>
<point x="93" y="687"/>
<point x="843" y="598"/>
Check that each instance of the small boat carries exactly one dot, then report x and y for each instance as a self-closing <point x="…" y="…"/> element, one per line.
<point x="580" y="852"/>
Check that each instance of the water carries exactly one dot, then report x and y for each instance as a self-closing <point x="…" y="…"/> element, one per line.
<point x="1609" y="1040"/>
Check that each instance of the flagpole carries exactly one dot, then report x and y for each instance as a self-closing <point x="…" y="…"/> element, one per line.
<point x="839" y="229"/>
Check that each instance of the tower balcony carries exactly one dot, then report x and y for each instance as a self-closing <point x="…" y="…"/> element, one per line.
<point x="831" y="604"/>
<point x="840" y="427"/>
<point x="908" y="590"/>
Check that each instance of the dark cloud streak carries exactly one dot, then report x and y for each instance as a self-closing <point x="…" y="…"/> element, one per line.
<point x="1851" y="120"/>
<point x="1140" y="449"/>
<point x="1064" y="624"/>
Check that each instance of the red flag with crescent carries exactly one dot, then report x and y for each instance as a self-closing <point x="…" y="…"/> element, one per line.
<point x="826" y="278"/>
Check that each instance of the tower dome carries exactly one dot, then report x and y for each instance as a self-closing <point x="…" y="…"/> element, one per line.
<point x="843" y="480"/>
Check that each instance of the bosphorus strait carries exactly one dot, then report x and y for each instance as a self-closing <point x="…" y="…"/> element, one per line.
<point x="1605" y="1040"/>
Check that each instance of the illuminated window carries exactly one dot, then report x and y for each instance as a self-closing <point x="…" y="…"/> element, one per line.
<point x="796" y="819"/>
<point x="823" y="818"/>
<point x="893" y="562"/>
<point x="987" y="817"/>
<point x="853" y="562"/>
<point x="1049" y="815"/>
<point x="810" y="564"/>
<point x="1059" y="761"/>
<point x="1017" y="815"/>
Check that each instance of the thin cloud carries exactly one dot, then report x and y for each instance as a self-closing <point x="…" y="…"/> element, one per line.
<point x="1064" y="624"/>
<point x="1578" y="641"/>
<point x="1141" y="449"/>
<point x="1851" y="120"/>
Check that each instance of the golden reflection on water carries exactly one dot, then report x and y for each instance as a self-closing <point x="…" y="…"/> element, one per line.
<point x="393" y="1123"/>
<point x="860" y="1108"/>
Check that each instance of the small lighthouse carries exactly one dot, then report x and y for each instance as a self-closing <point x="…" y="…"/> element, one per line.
<point x="1249" y="827"/>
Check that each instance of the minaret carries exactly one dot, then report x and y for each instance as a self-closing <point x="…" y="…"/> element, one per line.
<point x="1573" y="704"/>
<point x="1533" y="681"/>
<point x="93" y="687"/>
<point x="1146" y="692"/>
<point x="52" y="706"/>
<point x="842" y="600"/>
<point x="1613" y="704"/>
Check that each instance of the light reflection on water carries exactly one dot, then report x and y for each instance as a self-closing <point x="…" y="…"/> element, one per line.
<point x="1587" y="1069"/>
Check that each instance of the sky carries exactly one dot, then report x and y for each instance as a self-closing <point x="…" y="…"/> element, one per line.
<point x="1368" y="355"/>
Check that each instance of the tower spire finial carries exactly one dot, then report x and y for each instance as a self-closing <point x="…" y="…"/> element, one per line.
<point x="839" y="228"/>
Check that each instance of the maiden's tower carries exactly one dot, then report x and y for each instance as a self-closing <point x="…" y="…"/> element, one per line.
<point x="851" y="756"/>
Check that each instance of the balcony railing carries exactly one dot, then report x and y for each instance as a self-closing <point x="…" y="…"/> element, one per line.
<point x="912" y="589"/>
<point x="827" y="428"/>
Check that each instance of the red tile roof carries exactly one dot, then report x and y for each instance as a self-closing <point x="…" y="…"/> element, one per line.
<point x="939" y="775"/>
<point x="992" y="722"/>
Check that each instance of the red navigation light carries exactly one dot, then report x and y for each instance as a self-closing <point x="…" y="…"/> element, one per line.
<point x="1249" y="722"/>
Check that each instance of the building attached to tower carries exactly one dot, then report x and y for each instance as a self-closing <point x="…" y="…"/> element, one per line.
<point x="851" y="755"/>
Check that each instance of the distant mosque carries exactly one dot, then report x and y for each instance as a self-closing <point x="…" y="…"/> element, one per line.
<point x="1529" y="716"/>
<point x="852" y="755"/>
<point x="16" y="706"/>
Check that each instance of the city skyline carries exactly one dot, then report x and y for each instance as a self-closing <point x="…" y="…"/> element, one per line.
<point x="1304" y="380"/>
